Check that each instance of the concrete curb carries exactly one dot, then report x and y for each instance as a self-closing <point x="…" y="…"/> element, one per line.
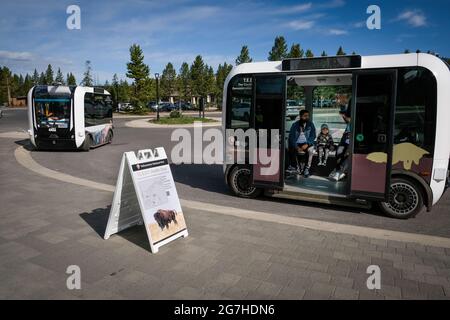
<point x="143" y="123"/>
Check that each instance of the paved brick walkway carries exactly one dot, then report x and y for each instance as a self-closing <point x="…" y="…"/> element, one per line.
<point x="224" y="257"/>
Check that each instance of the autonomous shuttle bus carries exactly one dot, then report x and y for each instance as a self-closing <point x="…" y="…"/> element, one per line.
<point x="63" y="117"/>
<point x="388" y="116"/>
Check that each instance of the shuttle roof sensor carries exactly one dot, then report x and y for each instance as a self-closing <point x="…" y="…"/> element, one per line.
<point x="322" y="63"/>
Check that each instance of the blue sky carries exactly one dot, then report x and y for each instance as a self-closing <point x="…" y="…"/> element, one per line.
<point x="33" y="33"/>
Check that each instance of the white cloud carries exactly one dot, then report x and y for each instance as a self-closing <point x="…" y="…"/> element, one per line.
<point x="16" y="55"/>
<point x="415" y="18"/>
<point x="301" y="24"/>
<point x="171" y="21"/>
<point x="337" y="32"/>
<point x="360" y="24"/>
<point x="294" y="9"/>
<point x="333" y="4"/>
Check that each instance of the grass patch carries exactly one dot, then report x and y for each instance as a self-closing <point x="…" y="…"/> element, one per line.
<point x="181" y="120"/>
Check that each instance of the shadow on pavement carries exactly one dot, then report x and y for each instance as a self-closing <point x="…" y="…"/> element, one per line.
<point x="25" y="143"/>
<point x="200" y="176"/>
<point x="97" y="219"/>
<point x="210" y="178"/>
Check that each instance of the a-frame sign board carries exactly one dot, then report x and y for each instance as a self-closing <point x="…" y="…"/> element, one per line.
<point x="146" y="194"/>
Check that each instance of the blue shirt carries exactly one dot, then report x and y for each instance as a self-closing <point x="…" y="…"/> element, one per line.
<point x="309" y="131"/>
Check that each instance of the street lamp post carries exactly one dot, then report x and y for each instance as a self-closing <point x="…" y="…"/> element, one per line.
<point x="157" y="96"/>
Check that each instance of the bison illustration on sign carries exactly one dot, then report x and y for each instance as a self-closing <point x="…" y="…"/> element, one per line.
<point x="165" y="217"/>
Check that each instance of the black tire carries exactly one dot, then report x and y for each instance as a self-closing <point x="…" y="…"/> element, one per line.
<point x="239" y="181"/>
<point x="87" y="143"/>
<point x="405" y="199"/>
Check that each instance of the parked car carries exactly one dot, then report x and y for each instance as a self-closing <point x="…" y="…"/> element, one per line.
<point x="166" y="106"/>
<point x="152" y="105"/>
<point x="124" y="106"/>
<point x="184" y="105"/>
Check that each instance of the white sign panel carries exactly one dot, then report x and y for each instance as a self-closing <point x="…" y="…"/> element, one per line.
<point x="145" y="193"/>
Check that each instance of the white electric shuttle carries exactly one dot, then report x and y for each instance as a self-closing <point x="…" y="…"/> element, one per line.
<point x="75" y="117"/>
<point x="390" y="113"/>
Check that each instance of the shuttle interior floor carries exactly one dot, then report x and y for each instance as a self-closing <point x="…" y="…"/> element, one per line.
<point x="316" y="184"/>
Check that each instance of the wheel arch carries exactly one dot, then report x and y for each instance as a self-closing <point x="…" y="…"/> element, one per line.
<point x="228" y="168"/>
<point x="425" y="188"/>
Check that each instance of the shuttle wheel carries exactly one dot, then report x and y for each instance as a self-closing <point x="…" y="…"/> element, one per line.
<point x="240" y="182"/>
<point x="405" y="199"/>
<point x="87" y="143"/>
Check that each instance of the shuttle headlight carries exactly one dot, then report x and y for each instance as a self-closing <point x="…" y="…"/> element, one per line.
<point x="80" y="134"/>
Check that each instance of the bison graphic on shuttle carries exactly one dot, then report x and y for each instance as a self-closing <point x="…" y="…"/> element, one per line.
<point x="407" y="153"/>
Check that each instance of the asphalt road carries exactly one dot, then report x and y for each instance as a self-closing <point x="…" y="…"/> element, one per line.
<point x="205" y="183"/>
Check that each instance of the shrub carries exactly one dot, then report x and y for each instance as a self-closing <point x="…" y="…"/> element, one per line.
<point x="175" y="114"/>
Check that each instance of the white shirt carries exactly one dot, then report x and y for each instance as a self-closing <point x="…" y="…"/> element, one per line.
<point x="301" y="138"/>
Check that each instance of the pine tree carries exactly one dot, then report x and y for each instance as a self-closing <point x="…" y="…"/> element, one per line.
<point x="296" y="51"/>
<point x="221" y="75"/>
<point x="279" y="49"/>
<point x="42" y="79"/>
<point x="35" y="78"/>
<point x="15" y="85"/>
<point x="21" y="80"/>
<point x="49" y="75"/>
<point x="407" y="51"/>
<point x="115" y="89"/>
<point x="183" y="82"/>
<point x="168" y="81"/>
<point x="340" y="52"/>
<point x="124" y="91"/>
<point x="244" y="57"/>
<point x="197" y="75"/>
<point x="309" y="54"/>
<point x="5" y="75"/>
<point x="210" y="81"/>
<point x="87" y="81"/>
<point x="28" y="84"/>
<point x="137" y="69"/>
<point x="59" y="77"/>
<point x="71" y="81"/>
<point x="324" y="54"/>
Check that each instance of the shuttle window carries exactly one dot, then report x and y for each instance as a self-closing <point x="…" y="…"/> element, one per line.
<point x="97" y="109"/>
<point x="241" y="95"/>
<point x="52" y="111"/>
<point x="415" y="114"/>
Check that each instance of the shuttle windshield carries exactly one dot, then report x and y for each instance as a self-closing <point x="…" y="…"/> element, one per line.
<point x="52" y="111"/>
